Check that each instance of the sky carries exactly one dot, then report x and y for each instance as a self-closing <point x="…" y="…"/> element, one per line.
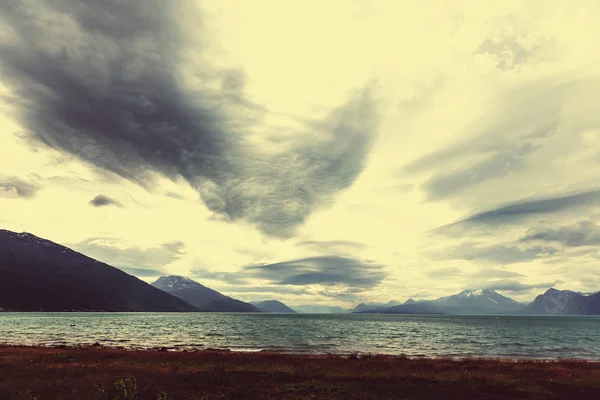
<point x="316" y="152"/>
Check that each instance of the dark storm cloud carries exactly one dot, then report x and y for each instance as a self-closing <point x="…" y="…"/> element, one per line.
<point x="102" y="200"/>
<point x="326" y="270"/>
<point x="502" y="254"/>
<point x="110" y="251"/>
<point x="583" y="233"/>
<point x="517" y="211"/>
<point x="21" y="188"/>
<point x="100" y="80"/>
<point x="514" y="286"/>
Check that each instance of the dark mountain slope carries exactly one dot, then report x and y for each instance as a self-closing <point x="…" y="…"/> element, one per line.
<point x="274" y="306"/>
<point x="37" y="274"/>
<point x="583" y="305"/>
<point x="553" y="301"/>
<point x="200" y="296"/>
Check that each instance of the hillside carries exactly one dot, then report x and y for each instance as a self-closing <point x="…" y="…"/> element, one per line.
<point x="274" y="306"/>
<point x="40" y="275"/>
<point x="583" y="305"/>
<point x="200" y="296"/>
<point x="553" y="301"/>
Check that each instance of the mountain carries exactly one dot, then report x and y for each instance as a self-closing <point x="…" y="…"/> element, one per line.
<point x="480" y="301"/>
<point x="553" y="301"/>
<point x="316" y="309"/>
<point x="200" y="296"/>
<point x="375" y="306"/>
<point x="424" y="307"/>
<point x="40" y="275"/>
<point x="274" y="306"/>
<point x="583" y="305"/>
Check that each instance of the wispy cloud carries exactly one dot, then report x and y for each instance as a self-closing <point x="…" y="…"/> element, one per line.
<point x="583" y="233"/>
<point x="518" y="211"/>
<point x="501" y="253"/>
<point x="514" y="286"/>
<point x="118" y="254"/>
<point x="18" y="187"/>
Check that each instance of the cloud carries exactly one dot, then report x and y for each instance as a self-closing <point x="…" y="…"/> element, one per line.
<point x="330" y="245"/>
<point x="103" y="81"/>
<point x="18" y="187"/>
<point x="514" y="286"/>
<point x="501" y="161"/>
<point x="583" y="233"/>
<point x="175" y="196"/>
<point x="444" y="272"/>
<point x="233" y="278"/>
<point x="142" y="272"/>
<point x="503" y="254"/>
<point x="520" y="210"/>
<point x="118" y="254"/>
<point x="286" y="290"/>
<point x="495" y="273"/>
<point x="102" y="200"/>
<point x="325" y="270"/>
<point x="496" y="145"/>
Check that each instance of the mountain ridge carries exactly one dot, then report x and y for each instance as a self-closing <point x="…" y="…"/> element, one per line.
<point x="200" y="296"/>
<point x="41" y="275"/>
<point x="274" y="306"/>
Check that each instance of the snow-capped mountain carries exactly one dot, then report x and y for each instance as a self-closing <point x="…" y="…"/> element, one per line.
<point x="38" y="274"/>
<point x="479" y="301"/>
<point x="200" y="296"/>
<point x="553" y="301"/>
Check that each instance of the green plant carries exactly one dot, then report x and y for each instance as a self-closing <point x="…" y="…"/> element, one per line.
<point x="126" y="389"/>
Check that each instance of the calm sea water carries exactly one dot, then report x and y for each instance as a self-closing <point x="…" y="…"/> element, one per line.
<point x="413" y="335"/>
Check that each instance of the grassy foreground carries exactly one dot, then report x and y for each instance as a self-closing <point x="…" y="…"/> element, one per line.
<point x="107" y="374"/>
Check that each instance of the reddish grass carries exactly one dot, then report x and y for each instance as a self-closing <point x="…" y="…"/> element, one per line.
<point x="77" y="373"/>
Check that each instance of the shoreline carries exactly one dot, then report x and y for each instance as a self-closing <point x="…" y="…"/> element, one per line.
<point x="290" y="352"/>
<point x="28" y="372"/>
<point x="195" y="349"/>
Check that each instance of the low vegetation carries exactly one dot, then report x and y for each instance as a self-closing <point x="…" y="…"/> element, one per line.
<point x="111" y="374"/>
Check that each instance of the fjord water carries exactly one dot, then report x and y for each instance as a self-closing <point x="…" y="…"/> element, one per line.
<point x="414" y="335"/>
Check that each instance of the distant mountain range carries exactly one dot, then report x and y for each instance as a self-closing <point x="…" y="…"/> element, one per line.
<point x="320" y="309"/>
<point x="273" y="306"/>
<point x="40" y="275"/>
<point x="375" y="306"/>
<point x="201" y="297"/>
<point x="487" y="301"/>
